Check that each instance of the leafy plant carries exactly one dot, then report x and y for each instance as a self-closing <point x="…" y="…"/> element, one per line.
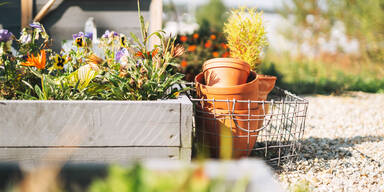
<point x="246" y="35"/>
<point x="146" y="74"/>
<point x="130" y="69"/>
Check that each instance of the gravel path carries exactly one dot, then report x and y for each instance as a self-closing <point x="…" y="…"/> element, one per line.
<point x="343" y="148"/>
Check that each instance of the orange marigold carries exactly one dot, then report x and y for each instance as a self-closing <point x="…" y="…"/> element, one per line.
<point x="195" y="36"/>
<point x="38" y="61"/>
<point x="183" y="38"/>
<point x="226" y="54"/>
<point x="208" y="44"/>
<point x="224" y="46"/>
<point x="215" y="54"/>
<point x="184" y="63"/>
<point x="213" y="37"/>
<point x="192" y="48"/>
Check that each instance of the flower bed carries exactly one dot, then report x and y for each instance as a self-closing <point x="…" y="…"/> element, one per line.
<point x="105" y="131"/>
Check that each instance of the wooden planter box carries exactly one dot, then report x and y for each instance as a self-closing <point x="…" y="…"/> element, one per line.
<point x="95" y="131"/>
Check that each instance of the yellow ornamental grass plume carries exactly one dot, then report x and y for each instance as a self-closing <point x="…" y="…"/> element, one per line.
<point x="246" y="35"/>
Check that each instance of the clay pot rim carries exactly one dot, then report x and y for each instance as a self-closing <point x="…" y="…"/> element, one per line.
<point x="269" y="77"/>
<point x="224" y="90"/>
<point x="227" y="63"/>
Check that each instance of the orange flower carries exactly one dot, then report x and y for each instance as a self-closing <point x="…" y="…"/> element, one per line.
<point x="139" y="54"/>
<point x="195" y="36"/>
<point x="38" y="61"/>
<point x="192" y="48"/>
<point x="155" y="52"/>
<point x="208" y="44"/>
<point x="226" y="54"/>
<point x="224" y="46"/>
<point x="183" y="38"/>
<point x="215" y="54"/>
<point x="213" y="37"/>
<point x="184" y="63"/>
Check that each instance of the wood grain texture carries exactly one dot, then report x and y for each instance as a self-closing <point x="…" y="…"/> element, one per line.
<point x="33" y="157"/>
<point x="186" y="122"/>
<point x="89" y="123"/>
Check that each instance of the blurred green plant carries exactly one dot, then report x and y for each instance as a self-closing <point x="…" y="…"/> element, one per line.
<point x="138" y="178"/>
<point x="314" y="77"/>
<point x="211" y="16"/>
<point x="200" y="46"/>
<point x="362" y="21"/>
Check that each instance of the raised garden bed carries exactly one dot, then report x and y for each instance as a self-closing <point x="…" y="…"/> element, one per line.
<point x="99" y="131"/>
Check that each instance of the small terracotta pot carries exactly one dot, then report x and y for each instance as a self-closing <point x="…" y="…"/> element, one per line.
<point x="246" y="91"/>
<point x="223" y="72"/>
<point x="266" y="84"/>
<point x="234" y="132"/>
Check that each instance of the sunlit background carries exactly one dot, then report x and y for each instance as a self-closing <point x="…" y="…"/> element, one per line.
<point x="315" y="46"/>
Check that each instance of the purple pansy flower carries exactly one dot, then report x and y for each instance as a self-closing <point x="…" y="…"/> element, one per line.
<point x="81" y="34"/>
<point x="77" y="35"/>
<point x="138" y="64"/>
<point x="88" y="35"/>
<point x="122" y="52"/>
<point x="35" y="25"/>
<point x="109" y="33"/>
<point x="5" y="35"/>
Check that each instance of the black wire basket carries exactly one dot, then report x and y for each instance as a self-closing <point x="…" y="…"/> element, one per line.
<point x="272" y="130"/>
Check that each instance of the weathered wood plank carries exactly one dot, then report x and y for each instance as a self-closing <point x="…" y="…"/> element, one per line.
<point x="186" y="122"/>
<point x="89" y="123"/>
<point x="32" y="157"/>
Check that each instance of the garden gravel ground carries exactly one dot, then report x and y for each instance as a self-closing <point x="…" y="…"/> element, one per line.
<point x="343" y="145"/>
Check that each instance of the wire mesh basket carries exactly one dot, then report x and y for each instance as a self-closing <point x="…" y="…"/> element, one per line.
<point x="271" y="130"/>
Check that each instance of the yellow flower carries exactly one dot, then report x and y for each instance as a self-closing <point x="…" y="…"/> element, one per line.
<point x="123" y="41"/>
<point x="80" y="42"/>
<point x="176" y="94"/>
<point x="59" y="61"/>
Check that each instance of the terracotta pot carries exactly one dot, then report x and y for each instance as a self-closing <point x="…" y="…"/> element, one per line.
<point x="220" y="123"/>
<point x="228" y="134"/>
<point x="223" y="72"/>
<point x="246" y="91"/>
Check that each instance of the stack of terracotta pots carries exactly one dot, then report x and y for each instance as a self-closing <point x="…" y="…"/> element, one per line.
<point x="230" y="126"/>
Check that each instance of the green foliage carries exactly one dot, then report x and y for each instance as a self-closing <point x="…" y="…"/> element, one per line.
<point x="211" y="16"/>
<point x="361" y="19"/>
<point x="138" y="178"/>
<point x="130" y="71"/>
<point x="246" y="35"/>
<point x="305" y="77"/>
